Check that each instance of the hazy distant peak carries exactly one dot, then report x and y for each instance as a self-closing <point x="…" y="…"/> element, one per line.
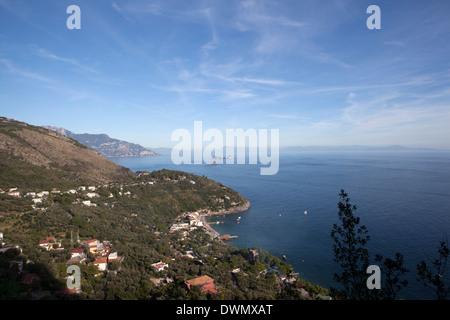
<point x="105" y="145"/>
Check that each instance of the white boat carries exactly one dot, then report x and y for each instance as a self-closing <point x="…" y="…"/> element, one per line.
<point x="306" y="212"/>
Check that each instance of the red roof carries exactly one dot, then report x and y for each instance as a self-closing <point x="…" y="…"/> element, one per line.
<point x="29" y="277"/>
<point x="76" y="251"/>
<point x="68" y="291"/>
<point x="100" y="260"/>
<point x="204" y="282"/>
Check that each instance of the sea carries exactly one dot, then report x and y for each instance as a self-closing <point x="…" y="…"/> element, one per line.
<point x="402" y="197"/>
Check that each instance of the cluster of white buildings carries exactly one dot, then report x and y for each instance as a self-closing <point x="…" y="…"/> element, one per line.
<point x="87" y="194"/>
<point x="192" y="221"/>
<point x="50" y="243"/>
<point x="100" y="249"/>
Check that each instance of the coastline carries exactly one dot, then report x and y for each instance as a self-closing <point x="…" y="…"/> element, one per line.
<point x="209" y="213"/>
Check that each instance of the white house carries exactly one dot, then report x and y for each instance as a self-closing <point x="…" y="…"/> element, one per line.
<point x="189" y="254"/>
<point x="113" y="257"/>
<point x="42" y="193"/>
<point x="179" y="226"/>
<point x="101" y="263"/>
<point x="196" y="223"/>
<point x="44" y="244"/>
<point x="76" y="253"/>
<point x="93" y="243"/>
<point x="159" y="266"/>
<point x="88" y="203"/>
<point x="92" y="195"/>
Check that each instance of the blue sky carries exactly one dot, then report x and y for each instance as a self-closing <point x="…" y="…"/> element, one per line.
<point x="138" y="70"/>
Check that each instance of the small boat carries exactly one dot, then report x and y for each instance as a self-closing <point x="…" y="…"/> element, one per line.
<point x="284" y="257"/>
<point x="306" y="212"/>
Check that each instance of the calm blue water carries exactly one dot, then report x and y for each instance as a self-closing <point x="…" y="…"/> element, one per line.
<point x="403" y="198"/>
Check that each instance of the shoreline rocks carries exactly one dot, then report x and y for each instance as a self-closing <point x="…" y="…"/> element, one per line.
<point x="209" y="213"/>
<point x="232" y="210"/>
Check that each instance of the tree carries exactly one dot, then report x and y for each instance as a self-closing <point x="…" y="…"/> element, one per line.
<point x="349" y="249"/>
<point x="435" y="279"/>
<point x="393" y="271"/>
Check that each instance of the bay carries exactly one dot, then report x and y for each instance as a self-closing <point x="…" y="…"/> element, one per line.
<point x="403" y="198"/>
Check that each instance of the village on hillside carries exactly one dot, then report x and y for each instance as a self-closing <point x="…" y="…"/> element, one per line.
<point x="107" y="260"/>
<point x="85" y="194"/>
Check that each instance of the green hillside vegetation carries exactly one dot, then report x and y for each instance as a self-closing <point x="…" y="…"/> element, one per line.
<point x="137" y="226"/>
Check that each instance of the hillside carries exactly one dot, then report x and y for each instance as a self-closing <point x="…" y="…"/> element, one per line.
<point x="105" y="145"/>
<point x="35" y="157"/>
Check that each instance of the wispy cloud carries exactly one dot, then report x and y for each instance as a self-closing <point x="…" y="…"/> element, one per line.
<point x="283" y="116"/>
<point x="260" y="14"/>
<point x="231" y="71"/>
<point x="138" y="7"/>
<point x="395" y="109"/>
<point x="262" y="81"/>
<point x="280" y="32"/>
<point x="116" y="7"/>
<point x="221" y="94"/>
<point x="45" y="54"/>
<point x="24" y="73"/>
<point x="214" y="42"/>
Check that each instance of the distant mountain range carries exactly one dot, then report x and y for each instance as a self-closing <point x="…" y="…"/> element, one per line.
<point x="105" y="145"/>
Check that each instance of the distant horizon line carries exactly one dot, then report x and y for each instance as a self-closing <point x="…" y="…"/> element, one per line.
<point x="352" y="147"/>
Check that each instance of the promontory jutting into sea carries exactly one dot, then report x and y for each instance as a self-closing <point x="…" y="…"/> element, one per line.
<point x="402" y="197"/>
